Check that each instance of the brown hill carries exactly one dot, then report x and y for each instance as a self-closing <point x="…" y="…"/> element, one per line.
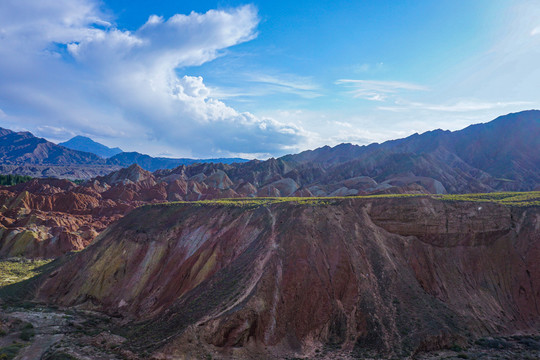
<point x="349" y="277"/>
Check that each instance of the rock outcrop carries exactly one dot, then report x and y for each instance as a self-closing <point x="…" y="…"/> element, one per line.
<point x="49" y="217"/>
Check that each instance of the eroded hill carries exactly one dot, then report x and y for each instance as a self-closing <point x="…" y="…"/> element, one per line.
<point x="274" y="278"/>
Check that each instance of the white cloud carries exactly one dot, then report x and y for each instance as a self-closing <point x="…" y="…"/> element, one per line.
<point x="247" y="86"/>
<point x="55" y="134"/>
<point x="377" y="90"/>
<point x="458" y="106"/>
<point x="301" y="86"/>
<point x="65" y="66"/>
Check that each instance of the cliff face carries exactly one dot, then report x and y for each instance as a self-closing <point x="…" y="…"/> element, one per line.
<point x="355" y="276"/>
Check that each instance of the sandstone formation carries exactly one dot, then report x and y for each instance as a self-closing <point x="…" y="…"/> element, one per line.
<point x="275" y="279"/>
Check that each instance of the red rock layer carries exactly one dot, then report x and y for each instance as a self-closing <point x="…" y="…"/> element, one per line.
<point x="359" y="276"/>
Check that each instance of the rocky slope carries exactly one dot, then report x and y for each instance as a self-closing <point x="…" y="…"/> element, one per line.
<point x="113" y="195"/>
<point x="391" y="276"/>
<point x="47" y="218"/>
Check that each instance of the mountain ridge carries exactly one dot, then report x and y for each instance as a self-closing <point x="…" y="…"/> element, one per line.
<point x="501" y="155"/>
<point x="86" y="144"/>
<point x="22" y="153"/>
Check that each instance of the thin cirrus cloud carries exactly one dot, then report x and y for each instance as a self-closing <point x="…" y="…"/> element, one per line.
<point x="67" y="67"/>
<point x="458" y="106"/>
<point x="302" y="87"/>
<point x="377" y="90"/>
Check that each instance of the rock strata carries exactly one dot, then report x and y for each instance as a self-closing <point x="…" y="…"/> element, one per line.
<point x="362" y="277"/>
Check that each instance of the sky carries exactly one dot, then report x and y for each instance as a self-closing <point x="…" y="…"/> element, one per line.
<point x="264" y="78"/>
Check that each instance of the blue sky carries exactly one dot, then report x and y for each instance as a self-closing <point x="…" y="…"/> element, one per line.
<point x="262" y="78"/>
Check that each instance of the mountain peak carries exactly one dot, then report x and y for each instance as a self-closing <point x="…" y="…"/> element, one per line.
<point x="83" y="143"/>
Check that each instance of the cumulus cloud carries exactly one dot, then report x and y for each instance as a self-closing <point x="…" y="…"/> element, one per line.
<point x="67" y="66"/>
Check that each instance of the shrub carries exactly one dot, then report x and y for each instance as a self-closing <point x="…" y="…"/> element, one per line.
<point x="9" y="352"/>
<point x="27" y="332"/>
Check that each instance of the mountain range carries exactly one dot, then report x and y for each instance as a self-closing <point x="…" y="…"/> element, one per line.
<point x="22" y="153"/>
<point x="496" y="156"/>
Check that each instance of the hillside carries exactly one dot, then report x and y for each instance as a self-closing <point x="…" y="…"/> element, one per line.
<point x="342" y="277"/>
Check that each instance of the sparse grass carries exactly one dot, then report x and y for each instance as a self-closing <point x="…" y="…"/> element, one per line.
<point x="263" y="201"/>
<point x="16" y="270"/>
<point x="9" y="352"/>
<point x="531" y="198"/>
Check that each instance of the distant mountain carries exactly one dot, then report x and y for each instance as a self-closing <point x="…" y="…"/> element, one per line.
<point x="25" y="148"/>
<point x="22" y="153"/>
<point x="500" y="155"/>
<point x="83" y="143"/>
<point x="154" y="163"/>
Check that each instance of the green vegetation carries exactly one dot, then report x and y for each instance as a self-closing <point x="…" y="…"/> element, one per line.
<point x="9" y="352"/>
<point x="16" y="270"/>
<point x="531" y="198"/>
<point x="27" y="332"/>
<point x="263" y="201"/>
<point x="9" y="180"/>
